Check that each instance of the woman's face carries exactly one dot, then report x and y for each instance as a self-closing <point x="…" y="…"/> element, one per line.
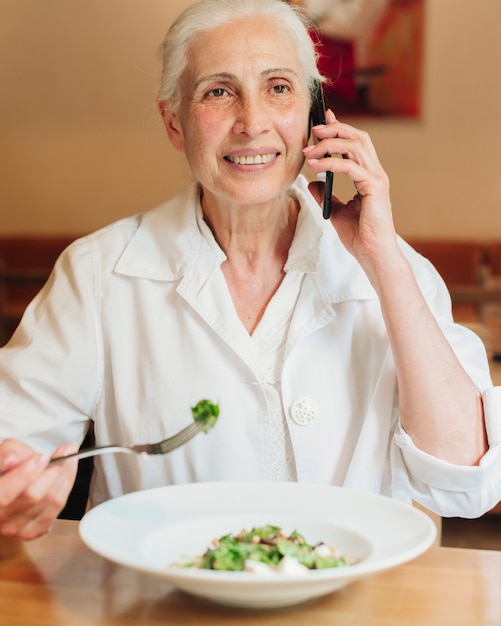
<point x="243" y="120"/>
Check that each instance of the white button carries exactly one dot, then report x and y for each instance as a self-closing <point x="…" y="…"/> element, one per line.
<point x="304" y="411"/>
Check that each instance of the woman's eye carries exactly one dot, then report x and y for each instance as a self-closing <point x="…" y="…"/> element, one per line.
<point x="218" y="92"/>
<point x="281" y="88"/>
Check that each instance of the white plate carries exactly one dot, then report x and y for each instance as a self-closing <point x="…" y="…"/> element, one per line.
<point x="149" y="530"/>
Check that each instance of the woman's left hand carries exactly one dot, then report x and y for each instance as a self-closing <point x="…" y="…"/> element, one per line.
<point x="364" y="223"/>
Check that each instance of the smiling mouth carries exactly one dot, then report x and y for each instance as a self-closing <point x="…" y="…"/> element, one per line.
<point x="252" y="160"/>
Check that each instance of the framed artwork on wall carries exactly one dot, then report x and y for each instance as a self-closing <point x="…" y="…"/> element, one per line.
<point x="371" y="52"/>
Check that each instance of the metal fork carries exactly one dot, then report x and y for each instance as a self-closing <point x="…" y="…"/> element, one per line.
<point x="162" y="447"/>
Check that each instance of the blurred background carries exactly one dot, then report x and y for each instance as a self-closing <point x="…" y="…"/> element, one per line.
<point x="81" y="144"/>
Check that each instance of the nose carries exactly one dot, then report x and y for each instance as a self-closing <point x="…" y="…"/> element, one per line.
<point x="252" y="118"/>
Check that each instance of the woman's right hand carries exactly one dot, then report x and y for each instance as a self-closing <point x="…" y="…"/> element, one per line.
<point x="32" y="494"/>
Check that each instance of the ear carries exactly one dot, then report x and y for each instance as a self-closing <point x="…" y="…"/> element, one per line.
<point x="172" y="125"/>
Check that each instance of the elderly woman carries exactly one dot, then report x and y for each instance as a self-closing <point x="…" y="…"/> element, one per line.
<point x="329" y="345"/>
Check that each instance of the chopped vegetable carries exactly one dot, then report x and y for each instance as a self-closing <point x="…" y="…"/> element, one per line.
<point x="267" y="545"/>
<point x="206" y="413"/>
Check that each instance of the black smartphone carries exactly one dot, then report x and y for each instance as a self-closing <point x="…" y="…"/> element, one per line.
<point x="317" y="116"/>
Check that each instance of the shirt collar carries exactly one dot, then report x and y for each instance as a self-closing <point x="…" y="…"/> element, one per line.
<point x="171" y="241"/>
<point x="304" y="253"/>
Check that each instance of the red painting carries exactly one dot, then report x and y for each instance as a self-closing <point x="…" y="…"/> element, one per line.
<point x="371" y="53"/>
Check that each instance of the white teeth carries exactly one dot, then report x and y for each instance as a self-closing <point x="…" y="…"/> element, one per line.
<point x="252" y="160"/>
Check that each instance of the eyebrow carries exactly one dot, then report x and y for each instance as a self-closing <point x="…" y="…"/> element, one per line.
<point x="212" y="77"/>
<point x="228" y="76"/>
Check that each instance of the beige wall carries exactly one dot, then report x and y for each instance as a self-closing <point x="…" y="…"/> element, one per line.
<point x="81" y="144"/>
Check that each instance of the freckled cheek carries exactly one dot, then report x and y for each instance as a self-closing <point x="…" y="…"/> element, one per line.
<point x="295" y="129"/>
<point x="208" y="130"/>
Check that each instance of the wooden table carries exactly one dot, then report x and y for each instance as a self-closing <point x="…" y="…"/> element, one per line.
<point x="57" y="581"/>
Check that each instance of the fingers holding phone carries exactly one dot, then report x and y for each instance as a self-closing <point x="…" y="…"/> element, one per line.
<point x="365" y="221"/>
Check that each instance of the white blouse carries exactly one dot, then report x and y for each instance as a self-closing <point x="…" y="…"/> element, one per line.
<point x="136" y="324"/>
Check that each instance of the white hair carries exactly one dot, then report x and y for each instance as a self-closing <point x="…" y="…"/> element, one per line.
<point x="206" y="15"/>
